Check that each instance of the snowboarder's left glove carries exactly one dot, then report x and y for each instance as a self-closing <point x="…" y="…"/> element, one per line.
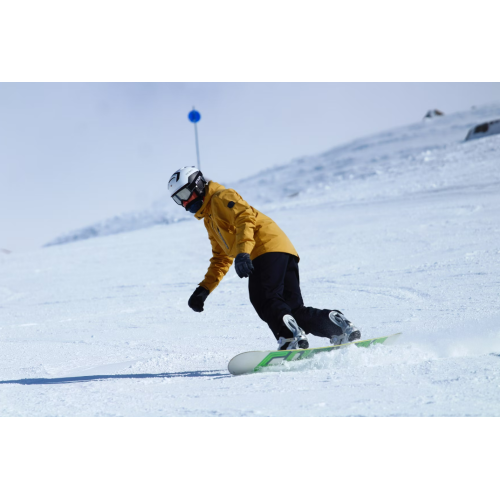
<point x="196" y="300"/>
<point x="243" y="265"/>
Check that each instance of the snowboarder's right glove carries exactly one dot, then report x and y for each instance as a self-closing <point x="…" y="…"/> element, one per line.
<point x="196" y="300"/>
<point x="243" y="265"/>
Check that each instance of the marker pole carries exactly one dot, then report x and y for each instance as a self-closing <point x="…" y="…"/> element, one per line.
<point x="194" y="117"/>
<point x="197" y="148"/>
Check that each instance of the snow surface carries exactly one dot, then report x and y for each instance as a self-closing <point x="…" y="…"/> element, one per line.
<point x="398" y="230"/>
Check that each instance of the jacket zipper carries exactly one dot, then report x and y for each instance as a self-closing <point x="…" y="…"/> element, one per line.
<point x="222" y="238"/>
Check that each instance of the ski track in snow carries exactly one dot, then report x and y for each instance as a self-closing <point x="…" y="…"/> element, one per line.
<point x="399" y="231"/>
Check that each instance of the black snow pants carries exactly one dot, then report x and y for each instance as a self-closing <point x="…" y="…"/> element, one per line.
<point x="274" y="290"/>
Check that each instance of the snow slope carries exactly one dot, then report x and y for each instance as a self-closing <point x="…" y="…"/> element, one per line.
<point x="399" y="230"/>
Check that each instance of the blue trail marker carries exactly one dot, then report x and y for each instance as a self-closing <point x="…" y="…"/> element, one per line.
<point x="194" y="117"/>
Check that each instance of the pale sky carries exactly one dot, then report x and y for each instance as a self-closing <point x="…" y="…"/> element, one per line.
<point x="75" y="154"/>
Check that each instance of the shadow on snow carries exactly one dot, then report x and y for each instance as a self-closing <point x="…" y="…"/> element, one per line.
<point x="90" y="378"/>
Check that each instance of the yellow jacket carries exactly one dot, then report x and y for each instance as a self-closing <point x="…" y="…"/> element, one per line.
<point x="235" y="227"/>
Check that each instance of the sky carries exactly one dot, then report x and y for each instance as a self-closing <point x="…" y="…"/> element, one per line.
<point x="72" y="154"/>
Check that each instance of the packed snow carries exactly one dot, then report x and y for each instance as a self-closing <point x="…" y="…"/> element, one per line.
<point x="398" y="230"/>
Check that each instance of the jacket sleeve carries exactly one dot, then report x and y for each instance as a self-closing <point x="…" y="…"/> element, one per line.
<point x="219" y="266"/>
<point x="245" y="221"/>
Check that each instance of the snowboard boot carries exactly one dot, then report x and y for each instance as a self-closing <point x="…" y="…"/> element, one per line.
<point x="350" y="333"/>
<point x="299" y="340"/>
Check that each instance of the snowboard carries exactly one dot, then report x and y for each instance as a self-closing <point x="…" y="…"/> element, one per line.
<point x="253" y="361"/>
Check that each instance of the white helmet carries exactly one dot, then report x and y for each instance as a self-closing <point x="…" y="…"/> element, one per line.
<point x="187" y="188"/>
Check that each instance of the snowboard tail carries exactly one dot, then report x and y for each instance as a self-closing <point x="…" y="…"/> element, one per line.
<point x="253" y="361"/>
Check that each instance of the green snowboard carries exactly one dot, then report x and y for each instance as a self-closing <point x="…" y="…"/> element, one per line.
<point x="253" y="361"/>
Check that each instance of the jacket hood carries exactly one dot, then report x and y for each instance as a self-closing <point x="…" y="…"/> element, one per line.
<point x="210" y="190"/>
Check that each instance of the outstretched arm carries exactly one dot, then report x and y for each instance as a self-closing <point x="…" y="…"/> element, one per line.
<point x="245" y="220"/>
<point x="245" y="223"/>
<point x="219" y="266"/>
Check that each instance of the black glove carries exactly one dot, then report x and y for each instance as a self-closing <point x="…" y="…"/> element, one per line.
<point x="243" y="265"/>
<point x="196" y="300"/>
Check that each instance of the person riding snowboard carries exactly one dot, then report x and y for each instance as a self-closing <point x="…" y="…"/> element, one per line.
<point x="261" y="252"/>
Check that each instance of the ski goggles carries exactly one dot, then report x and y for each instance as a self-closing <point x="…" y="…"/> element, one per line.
<point x="185" y="193"/>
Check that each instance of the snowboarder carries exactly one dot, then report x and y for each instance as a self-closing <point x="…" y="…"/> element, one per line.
<point x="262" y="252"/>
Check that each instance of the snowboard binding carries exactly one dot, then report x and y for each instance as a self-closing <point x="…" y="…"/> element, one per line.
<point x="299" y="340"/>
<point x="350" y="333"/>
